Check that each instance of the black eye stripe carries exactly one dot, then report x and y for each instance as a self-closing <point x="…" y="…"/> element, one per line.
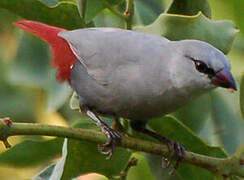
<point x="202" y="67"/>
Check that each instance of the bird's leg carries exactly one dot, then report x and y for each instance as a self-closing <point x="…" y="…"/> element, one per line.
<point x="113" y="137"/>
<point x="174" y="147"/>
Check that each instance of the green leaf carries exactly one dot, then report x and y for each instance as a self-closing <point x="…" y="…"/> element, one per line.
<point x="81" y="157"/>
<point x="177" y="27"/>
<point x="147" y="11"/>
<point x="31" y="64"/>
<point x="108" y="19"/>
<point x="208" y="133"/>
<point x="189" y="7"/>
<point x="88" y="9"/>
<point x="238" y="7"/>
<point x="78" y="163"/>
<point x="11" y="104"/>
<point x="29" y="153"/>
<point x="13" y="98"/>
<point x="31" y="67"/>
<point x="175" y="130"/>
<point x="141" y="171"/>
<point x="74" y="101"/>
<point x="57" y="94"/>
<point x="57" y="13"/>
<point x="227" y="120"/>
<point x="45" y="174"/>
<point x="6" y="26"/>
<point x="195" y="114"/>
<point x="242" y="95"/>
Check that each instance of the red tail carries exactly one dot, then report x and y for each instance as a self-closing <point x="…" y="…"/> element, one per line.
<point x="62" y="55"/>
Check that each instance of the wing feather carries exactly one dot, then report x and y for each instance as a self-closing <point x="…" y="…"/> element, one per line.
<point x="103" y="50"/>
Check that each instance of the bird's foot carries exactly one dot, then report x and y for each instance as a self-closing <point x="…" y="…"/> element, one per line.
<point x="114" y="139"/>
<point x="175" y="149"/>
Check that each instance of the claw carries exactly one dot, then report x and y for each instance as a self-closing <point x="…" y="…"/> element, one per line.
<point x="114" y="138"/>
<point x="108" y="153"/>
<point x="165" y="162"/>
<point x="180" y="152"/>
<point x="174" y="148"/>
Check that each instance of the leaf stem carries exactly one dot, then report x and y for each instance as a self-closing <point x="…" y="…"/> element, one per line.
<point x="240" y="152"/>
<point x="213" y="164"/>
<point x="129" y="13"/>
<point x="116" y="12"/>
<point x="242" y="95"/>
<point x="122" y="176"/>
<point x="81" y="5"/>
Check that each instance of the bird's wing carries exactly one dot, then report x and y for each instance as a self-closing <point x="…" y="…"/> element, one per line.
<point x="102" y="50"/>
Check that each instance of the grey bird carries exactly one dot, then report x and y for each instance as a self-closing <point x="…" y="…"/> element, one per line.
<point x="136" y="76"/>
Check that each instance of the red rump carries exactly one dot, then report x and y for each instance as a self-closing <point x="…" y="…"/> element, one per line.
<point x="62" y="55"/>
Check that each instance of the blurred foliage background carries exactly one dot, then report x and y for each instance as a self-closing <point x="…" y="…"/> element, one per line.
<point x="30" y="93"/>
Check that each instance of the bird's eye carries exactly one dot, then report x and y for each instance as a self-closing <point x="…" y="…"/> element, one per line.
<point x="200" y="66"/>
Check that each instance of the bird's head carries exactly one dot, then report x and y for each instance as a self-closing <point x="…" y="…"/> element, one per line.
<point x="202" y="65"/>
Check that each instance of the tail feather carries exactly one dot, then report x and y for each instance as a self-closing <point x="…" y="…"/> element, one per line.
<point x="62" y="55"/>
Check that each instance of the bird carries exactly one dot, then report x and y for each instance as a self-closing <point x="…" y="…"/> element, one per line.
<point x="132" y="75"/>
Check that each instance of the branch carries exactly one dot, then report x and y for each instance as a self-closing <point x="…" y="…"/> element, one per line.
<point x="222" y="166"/>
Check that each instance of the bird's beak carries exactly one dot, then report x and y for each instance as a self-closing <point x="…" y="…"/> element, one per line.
<point x="224" y="79"/>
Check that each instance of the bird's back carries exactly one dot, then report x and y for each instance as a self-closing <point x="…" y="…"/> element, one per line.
<point x="101" y="50"/>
